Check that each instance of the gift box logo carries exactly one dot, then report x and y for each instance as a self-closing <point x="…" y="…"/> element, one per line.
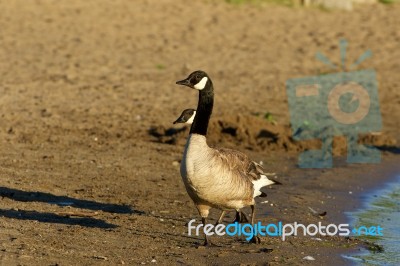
<point x="337" y="104"/>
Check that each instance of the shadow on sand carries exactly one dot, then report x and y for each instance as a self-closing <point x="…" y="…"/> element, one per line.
<point x="55" y="218"/>
<point x="35" y="196"/>
<point x="391" y="149"/>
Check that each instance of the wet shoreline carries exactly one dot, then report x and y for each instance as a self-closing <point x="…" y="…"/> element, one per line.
<point x="372" y="213"/>
<point x="354" y="185"/>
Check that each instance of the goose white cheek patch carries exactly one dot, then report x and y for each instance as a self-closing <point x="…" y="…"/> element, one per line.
<point x="199" y="86"/>
<point x="190" y="120"/>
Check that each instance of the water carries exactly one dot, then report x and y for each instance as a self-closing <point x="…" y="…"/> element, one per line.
<point x="383" y="209"/>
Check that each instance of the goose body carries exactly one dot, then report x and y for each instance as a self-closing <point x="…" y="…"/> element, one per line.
<point x="209" y="180"/>
<point x="222" y="178"/>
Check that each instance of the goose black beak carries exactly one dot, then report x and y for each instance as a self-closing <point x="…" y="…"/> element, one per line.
<point x="179" y="120"/>
<point x="184" y="82"/>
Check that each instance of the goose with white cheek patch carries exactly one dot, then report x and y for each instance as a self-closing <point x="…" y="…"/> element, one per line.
<point x="186" y="117"/>
<point x="217" y="178"/>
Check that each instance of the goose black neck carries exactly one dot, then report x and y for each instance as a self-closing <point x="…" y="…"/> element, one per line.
<point x="204" y="110"/>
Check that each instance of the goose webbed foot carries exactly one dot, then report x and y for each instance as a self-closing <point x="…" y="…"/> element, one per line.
<point x="207" y="242"/>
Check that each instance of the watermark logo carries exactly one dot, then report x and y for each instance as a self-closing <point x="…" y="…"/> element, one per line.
<point x="281" y="230"/>
<point x="337" y="104"/>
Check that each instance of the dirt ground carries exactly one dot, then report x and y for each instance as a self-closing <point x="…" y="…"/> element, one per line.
<point x="89" y="158"/>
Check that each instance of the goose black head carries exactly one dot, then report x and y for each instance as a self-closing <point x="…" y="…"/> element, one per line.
<point x="186" y="117"/>
<point x="197" y="80"/>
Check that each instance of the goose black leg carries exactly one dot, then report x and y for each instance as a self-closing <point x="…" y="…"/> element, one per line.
<point x="207" y="241"/>
<point x="255" y="239"/>
<point x="220" y="217"/>
<point x="241" y="217"/>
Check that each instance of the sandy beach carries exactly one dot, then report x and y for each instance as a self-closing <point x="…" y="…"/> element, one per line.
<point x="89" y="157"/>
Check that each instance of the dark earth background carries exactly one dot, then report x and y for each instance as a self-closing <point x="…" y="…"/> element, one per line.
<point x="89" y="158"/>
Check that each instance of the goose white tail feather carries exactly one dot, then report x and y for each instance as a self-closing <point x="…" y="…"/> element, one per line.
<point x="260" y="183"/>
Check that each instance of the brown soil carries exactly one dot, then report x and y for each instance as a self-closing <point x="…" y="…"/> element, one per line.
<point x="258" y="134"/>
<point x="89" y="158"/>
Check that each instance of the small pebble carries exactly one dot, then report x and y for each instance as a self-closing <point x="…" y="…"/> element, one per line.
<point x="153" y="260"/>
<point x="308" y="258"/>
<point x="100" y="257"/>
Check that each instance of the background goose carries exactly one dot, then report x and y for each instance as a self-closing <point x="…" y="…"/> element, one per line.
<point x="187" y="117"/>
<point x="217" y="178"/>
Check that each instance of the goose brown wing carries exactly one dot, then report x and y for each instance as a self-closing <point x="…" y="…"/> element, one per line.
<point x="239" y="162"/>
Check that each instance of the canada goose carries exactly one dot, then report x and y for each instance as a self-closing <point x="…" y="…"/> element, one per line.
<point x="217" y="178"/>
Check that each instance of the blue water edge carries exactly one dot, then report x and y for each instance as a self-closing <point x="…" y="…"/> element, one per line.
<point x="382" y="209"/>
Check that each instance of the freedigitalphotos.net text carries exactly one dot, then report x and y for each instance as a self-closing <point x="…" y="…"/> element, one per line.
<point x="281" y="230"/>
